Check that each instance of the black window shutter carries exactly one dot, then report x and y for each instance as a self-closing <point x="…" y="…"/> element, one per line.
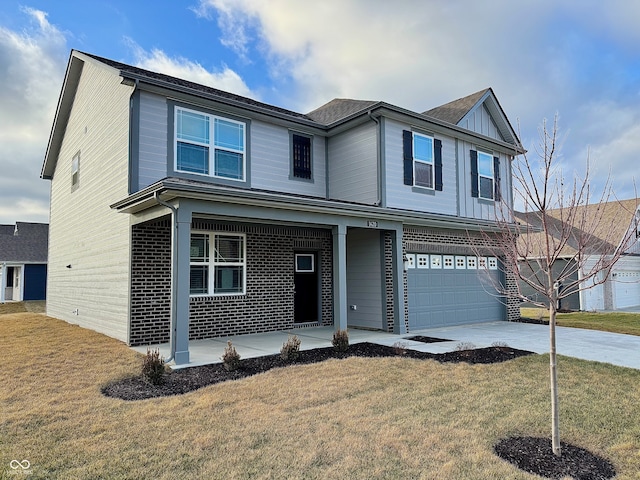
<point x="496" y="177"/>
<point x="407" y="147"/>
<point x="474" y="174"/>
<point x="437" y="152"/>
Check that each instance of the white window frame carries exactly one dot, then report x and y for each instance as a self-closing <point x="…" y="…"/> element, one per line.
<point x="431" y="162"/>
<point x="492" y="263"/>
<point x="489" y="177"/>
<point x="436" y="261"/>
<point x="423" y="261"/>
<point x="75" y="171"/>
<point x="461" y="262"/>
<point x="411" y="260"/>
<point x="448" y="262"/>
<point x="472" y="263"/>
<point x="212" y="263"/>
<point x="211" y="145"/>
<point x="303" y="270"/>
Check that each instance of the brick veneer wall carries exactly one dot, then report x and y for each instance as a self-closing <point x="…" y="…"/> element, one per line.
<point x="268" y="302"/>
<point x="450" y="242"/>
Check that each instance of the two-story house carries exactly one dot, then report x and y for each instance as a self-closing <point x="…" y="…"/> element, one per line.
<point x="180" y="212"/>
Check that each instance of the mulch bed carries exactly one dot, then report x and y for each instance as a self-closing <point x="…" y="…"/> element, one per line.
<point x="530" y="454"/>
<point x="423" y="339"/>
<point x="534" y="455"/>
<point x="192" y="378"/>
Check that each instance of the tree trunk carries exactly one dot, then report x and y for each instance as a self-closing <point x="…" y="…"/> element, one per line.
<point x="553" y="367"/>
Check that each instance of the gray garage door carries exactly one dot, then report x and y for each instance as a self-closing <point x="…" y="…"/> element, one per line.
<point x="452" y="290"/>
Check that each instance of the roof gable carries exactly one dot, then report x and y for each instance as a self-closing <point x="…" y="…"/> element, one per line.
<point x="459" y="112"/>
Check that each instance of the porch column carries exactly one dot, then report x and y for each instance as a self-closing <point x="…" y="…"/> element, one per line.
<point x="399" y="325"/>
<point x="181" y="278"/>
<point x="340" y="277"/>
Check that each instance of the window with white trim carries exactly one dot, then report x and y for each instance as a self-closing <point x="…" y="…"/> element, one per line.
<point x="217" y="264"/>
<point x="461" y="262"/>
<point x="75" y="171"/>
<point x="423" y="261"/>
<point x="447" y="261"/>
<point x="209" y="145"/>
<point x="423" y="169"/>
<point x="436" y="261"/>
<point x="485" y="175"/>
<point x="472" y="263"/>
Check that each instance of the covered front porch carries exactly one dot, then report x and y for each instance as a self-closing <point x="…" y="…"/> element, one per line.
<point x="205" y="352"/>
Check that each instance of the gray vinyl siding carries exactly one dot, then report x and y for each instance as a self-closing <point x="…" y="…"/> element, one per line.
<point x="399" y="195"/>
<point x="364" y="279"/>
<point x="84" y="233"/>
<point x="353" y="165"/>
<point x="271" y="162"/>
<point x="152" y="155"/>
<point x="480" y="121"/>
<point x="472" y="207"/>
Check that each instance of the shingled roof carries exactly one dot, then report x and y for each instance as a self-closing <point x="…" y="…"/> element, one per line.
<point x="613" y="222"/>
<point x="195" y="87"/>
<point x="455" y="111"/>
<point x="24" y="242"/>
<point x="338" y="109"/>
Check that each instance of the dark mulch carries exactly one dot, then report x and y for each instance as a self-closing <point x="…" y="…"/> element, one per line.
<point x="534" y="455"/>
<point x="423" y="339"/>
<point x="188" y="379"/>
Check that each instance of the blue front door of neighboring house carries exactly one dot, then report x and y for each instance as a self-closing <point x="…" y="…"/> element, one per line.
<point x="305" y="287"/>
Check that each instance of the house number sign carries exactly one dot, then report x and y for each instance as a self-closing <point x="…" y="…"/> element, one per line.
<point x="372" y="224"/>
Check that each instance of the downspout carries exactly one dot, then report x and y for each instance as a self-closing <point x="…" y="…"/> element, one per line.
<point x="378" y="158"/>
<point x="174" y="282"/>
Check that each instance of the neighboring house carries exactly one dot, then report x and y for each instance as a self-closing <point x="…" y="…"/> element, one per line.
<point x="181" y="212"/>
<point x="621" y="286"/>
<point x="23" y="261"/>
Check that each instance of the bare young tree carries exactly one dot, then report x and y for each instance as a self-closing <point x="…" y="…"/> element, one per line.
<point x="563" y="242"/>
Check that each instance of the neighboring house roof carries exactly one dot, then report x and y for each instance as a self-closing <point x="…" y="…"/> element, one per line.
<point x="614" y="219"/>
<point x="457" y="112"/>
<point x="24" y="242"/>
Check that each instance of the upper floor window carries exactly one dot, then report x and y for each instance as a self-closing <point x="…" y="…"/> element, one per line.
<point x="301" y="156"/>
<point x="485" y="176"/>
<point x="209" y="145"/>
<point x="75" y="171"/>
<point x="422" y="160"/>
<point x="218" y="263"/>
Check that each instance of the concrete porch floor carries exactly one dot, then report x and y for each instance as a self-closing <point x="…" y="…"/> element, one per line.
<point x="618" y="349"/>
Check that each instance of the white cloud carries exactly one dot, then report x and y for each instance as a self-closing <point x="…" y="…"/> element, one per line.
<point x="31" y="71"/>
<point x="158" y="61"/>
<point x="541" y="57"/>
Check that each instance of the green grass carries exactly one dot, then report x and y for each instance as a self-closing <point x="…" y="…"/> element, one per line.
<point x="350" y="419"/>
<point x="617" y="322"/>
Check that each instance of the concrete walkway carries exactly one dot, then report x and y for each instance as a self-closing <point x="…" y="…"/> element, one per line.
<point x="614" y="348"/>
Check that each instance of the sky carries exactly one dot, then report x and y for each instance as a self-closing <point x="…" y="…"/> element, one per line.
<point x="577" y="60"/>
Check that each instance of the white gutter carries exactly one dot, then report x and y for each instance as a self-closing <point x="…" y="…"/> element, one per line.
<point x="3" y="281"/>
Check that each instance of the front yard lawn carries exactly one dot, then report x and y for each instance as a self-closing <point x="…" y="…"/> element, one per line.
<point x="616" y="322"/>
<point x="350" y="419"/>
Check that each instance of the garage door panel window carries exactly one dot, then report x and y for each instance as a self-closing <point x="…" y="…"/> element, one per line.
<point x="461" y="262"/>
<point x="472" y="263"/>
<point x="447" y="261"/>
<point x="423" y="261"/>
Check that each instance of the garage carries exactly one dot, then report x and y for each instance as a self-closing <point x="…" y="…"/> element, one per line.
<point x="626" y="286"/>
<point x="452" y="290"/>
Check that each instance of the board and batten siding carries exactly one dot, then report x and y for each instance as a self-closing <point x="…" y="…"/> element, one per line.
<point x="152" y="140"/>
<point x="473" y="207"/>
<point x="271" y="167"/>
<point x="399" y="195"/>
<point x="480" y="121"/>
<point x="89" y="243"/>
<point x="353" y="165"/>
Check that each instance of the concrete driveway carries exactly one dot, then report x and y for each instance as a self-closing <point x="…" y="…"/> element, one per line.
<point x="615" y="348"/>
